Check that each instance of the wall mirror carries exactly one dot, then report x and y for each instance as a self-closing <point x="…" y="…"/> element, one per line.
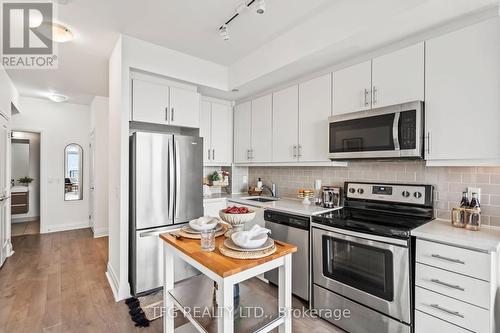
<point x="73" y="172"/>
<point x="20" y="161"/>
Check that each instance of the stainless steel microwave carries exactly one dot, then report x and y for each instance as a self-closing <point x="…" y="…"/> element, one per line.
<point x="390" y="132"/>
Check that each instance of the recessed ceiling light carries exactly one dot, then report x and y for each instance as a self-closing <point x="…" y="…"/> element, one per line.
<point x="61" y="34"/>
<point x="58" y="98"/>
<point x="261" y="6"/>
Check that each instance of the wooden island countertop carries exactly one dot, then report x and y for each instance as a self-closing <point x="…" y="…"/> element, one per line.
<point x="219" y="263"/>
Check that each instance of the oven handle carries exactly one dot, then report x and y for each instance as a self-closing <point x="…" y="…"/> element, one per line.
<point x="360" y="238"/>
<point x="395" y="131"/>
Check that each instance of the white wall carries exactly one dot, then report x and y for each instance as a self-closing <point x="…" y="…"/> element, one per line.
<point x="99" y="112"/>
<point x="59" y="124"/>
<point x="33" y="172"/>
<point x="131" y="53"/>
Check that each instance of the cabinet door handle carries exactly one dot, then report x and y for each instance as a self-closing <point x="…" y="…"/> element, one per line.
<point x="166" y="113"/>
<point x="440" y="308"/>
<point x="248" y="154"/>
<point x="294" y="151"/>
<point x="453" y="286"/>
<point x="374" y="95"/>
<point x="366" y="97"/>
<point x="456" y="261"/>
<point x="172" y="115"/>
<point x="213" y="154"/>
<point x="428" y="139"/>
<point x="299" y="151"/>
<point x="209" y="154"/>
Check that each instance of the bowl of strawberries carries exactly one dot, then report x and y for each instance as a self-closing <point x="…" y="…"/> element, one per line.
<point x="236" y="217"/>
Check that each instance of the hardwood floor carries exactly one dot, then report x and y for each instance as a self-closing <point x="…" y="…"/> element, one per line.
<point x="55" y="283"/>
<point x="25" y="228"/>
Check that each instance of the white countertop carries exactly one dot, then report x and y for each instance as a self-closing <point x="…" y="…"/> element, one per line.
<point x="487" y="239"/>
<point x="287" y="205"/>
<point x="217" y="197"/>
<point x="19" y="189"/>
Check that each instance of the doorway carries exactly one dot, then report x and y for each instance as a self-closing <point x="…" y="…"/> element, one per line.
<point x="25" y="183"/>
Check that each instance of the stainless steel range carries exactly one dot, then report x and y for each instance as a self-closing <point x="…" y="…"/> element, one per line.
<point x="363" y="256"/>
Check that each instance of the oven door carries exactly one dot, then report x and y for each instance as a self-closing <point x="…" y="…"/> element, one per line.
<point x="389" y="132"/>
<point x="367" y="269"/>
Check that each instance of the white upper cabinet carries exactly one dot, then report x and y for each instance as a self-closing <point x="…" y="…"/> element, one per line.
<point x="352" y="88"/>
<point x="222" y="134"/>
<point x="262" y="124"/>
<point x="285" y="124"/>
<point x="394" y="78"/>
<point x="184" y="107"/>
<point x="242" y="132"/>
<point x="206" y="130"/>
<point x="149" y="102"/>
<point x="463" y="96"/>
<point x="163" y="102"/>
<point x="216" y="129"/>
<point x="398" y="77"/>
<point x="315" y="106"/>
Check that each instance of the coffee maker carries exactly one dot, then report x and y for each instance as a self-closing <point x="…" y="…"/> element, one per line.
<point x="331" y="196"/>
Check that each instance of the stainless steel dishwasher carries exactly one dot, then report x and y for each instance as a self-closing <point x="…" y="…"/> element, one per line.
<point x="293" y="229"/>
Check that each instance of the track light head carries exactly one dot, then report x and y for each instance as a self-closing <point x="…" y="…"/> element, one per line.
<point x="261" y="6"/>
<point x="224" y="32"/>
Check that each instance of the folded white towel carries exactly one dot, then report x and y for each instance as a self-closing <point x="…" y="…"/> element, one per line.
<point x="249" y="237"/>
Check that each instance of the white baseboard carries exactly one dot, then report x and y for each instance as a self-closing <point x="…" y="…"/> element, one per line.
<point x="100" y="232"/>
<point x="113" y="281"/>
<point x="64" y="227"/>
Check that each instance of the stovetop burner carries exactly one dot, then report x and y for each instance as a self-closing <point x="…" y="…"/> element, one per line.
<point x="386" y="210"/>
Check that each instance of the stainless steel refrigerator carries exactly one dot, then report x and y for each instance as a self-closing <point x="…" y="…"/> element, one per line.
<point x="166" y="175"/>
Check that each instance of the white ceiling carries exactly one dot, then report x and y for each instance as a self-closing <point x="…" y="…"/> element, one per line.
<point x="191" y="26"/>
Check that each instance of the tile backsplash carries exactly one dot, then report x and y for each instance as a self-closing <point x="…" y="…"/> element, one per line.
<point x="449" y="182"/>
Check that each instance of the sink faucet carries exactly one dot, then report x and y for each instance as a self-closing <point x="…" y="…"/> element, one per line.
<point x="273" y="189"/>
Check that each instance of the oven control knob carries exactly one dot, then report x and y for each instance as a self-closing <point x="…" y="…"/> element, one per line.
<point x="352" y="190"/>
<point x="406" y="194"/>
<point x="361" y="191"/>
<point x="417" y="195"/>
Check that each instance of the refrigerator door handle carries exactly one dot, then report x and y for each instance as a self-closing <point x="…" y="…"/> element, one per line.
<point x="171" y="171"/>
<point x="177" y="179"/>
<point x="156" y="232"/>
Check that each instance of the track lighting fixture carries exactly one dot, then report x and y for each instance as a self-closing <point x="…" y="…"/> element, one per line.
<point x="261" y="6"/>
<point x="224" y="32"/>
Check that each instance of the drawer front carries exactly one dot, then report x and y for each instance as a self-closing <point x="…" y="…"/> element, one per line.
<point x="454" y="285"/>
<point x="19" y="209"/>
<point x="19" y="198"/>
<point x="425" y="324"/>
<point x="455" y="259"/>
<point x="456" y="312"/>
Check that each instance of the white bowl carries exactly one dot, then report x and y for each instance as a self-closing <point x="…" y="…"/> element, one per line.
<point x="252" y="243"/>
<point x="236" y="219"/>
<point x="203" y="223"/>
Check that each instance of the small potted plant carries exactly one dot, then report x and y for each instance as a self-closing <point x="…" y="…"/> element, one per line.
<point x="26" y="181"/>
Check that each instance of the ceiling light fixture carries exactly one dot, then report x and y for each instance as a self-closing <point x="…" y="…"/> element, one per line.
<point x="224" y="32"/>
<point x="35" y="18"/>
<point x="61" y="34"/>
<point x="261" y="7"/>
<point x="58" y="98"/>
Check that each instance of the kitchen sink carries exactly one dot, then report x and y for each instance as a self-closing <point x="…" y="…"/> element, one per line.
<point x="261" y="199"/>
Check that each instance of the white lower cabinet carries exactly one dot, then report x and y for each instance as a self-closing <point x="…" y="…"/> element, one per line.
<point x="212" y="208"/>
<point x="455" y="289"/>
<point x="425" y="323"/>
